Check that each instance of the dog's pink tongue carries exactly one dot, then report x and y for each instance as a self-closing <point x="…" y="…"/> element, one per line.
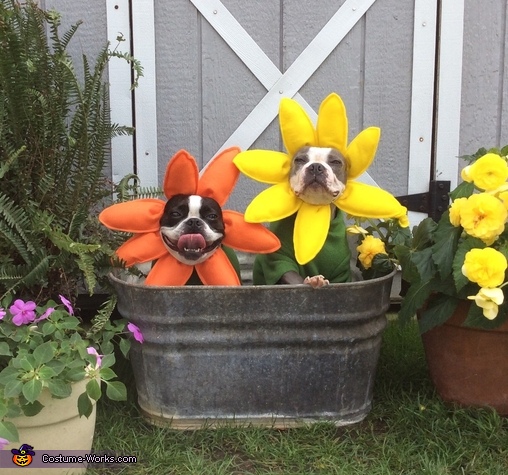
<point x="191" y="241"/>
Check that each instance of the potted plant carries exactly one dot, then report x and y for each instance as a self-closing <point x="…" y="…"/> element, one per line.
<point x="456" y="270"/>
<point x="269" y="355"/>
<point x="55" y="133"/>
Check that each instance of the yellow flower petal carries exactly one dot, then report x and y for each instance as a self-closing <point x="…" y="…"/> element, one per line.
<point x="295" y="126"/>
<point x="332" y="124"/>
<point x="264" y="165"/>
<point x="369" y="201"/>
<point x="361" y="151"/>
<point x="311" y="228"/>
<point x="272" y="204"/>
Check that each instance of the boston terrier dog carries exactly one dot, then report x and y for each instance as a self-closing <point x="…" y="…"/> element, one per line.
<point x="318" y="177"/>
<point x="192" y="228"/>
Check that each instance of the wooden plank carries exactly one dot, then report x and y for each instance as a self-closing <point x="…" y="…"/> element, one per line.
<point x="143" y="32"/>
<point x="179" y="80"/>
<point x="120" y="96"/>
<point x="451" y="30"/>
<point x="422" y="103"/>
<point x="484" y="25"/>
<point x="386" y="92"/>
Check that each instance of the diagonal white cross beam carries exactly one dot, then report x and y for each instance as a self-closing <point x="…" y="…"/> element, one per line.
<point x="278" y="84"/>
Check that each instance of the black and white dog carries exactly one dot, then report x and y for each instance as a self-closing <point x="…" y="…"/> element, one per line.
<point x="192" y="228"/>
<point x="317" y="176"/>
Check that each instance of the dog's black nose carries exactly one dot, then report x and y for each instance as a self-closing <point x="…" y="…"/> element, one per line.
<point x="316" y="169"/>
<point x="194" y="223"/>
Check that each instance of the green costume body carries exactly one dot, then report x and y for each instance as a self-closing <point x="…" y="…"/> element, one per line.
<point x="332" y="261"/>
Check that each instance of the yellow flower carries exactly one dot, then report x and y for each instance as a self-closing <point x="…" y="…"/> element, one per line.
<point x="313" y="221"/>
<point x="455" y="210"/>
<point x="489" y="300"/>
<point x="483" y="216"/>
<point x="355" y="229"/>
<point x="485" y="266"/>
<point x="368" y="249"/>
<point x="487" y="173"/>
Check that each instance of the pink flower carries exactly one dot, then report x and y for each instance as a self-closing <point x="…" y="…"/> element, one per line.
<point x="136" y="332"/>
<point x="45" y="315"/>
<point x="3" y="443"/>
<point x="3" y="313"/>
<point x="22" y="312"/>
<point x="92" y="351"/>
<point x="67" y="304"/>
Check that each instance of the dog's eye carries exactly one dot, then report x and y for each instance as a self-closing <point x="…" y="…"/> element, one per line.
<point x="212" y="216"/>
<point x="337" y="163"/>
<point x="300" y="160"/>
<point x="175" y="214"/>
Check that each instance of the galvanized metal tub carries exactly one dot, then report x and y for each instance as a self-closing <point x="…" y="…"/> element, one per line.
<point x="274" y="356"/>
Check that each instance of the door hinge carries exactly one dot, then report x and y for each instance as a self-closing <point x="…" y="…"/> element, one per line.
<point x="434" y="202"/>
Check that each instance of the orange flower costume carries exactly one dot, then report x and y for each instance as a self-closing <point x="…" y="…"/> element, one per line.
<point x="142" y="217"/>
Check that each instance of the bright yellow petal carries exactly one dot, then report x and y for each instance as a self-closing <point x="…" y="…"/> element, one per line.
<point x="264" y="165"/>
<point x="361" y="151"/>
<point x="295" y="126"/>
<point x="332" y="125"/>
<point x="311" y="228"/>
<point x="369" y="201"/>
<point x="272" y="204"/>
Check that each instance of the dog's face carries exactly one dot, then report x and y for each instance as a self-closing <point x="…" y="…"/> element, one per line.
<point x="192" y="228"/>
<point x="318" y="175"/>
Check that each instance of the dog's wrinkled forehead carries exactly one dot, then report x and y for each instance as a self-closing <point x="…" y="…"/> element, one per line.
<point x="181" y="207"/>
<point x="331" y="156"/>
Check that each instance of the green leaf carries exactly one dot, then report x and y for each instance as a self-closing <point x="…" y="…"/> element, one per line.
<point x="440" y="310"/>
<point x="445" y="245"/>
<point x="85" y="406"/>
<point x="93" y="389"/>
<point x="5" y="350"/>
<point x="8" y="431"/>
<point x="463" y="248"/>
<point x="26" y="364"/>
<point x="32" y="409"/>
<point x="44" y="353"/>
<point x="59" y="389"/>
<point x="45" y="373"/>
<point x="414" y="300"/>
<point x="125" y="346"/>
<point x="423" y="262"/>
<point x="7" y="374"/>
<point x="106" y="374"/>
<point x="13" y="388"/>
<point x="423" y="234"/>
<point x="48" y="328"/>
<point x="76" y="374"/>
<point x="32" y="389"/>
<point x="108" y="360"/>
<point x="116" y="391"/>
<point x="464" y="190"/>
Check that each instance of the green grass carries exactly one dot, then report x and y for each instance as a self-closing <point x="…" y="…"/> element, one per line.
<point x="409" y="431"/>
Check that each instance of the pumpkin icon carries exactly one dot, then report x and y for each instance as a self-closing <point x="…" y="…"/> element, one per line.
<point x="23" y="456"/>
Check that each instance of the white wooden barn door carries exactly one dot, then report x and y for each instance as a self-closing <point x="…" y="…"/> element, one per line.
<point x="435" y="87"/>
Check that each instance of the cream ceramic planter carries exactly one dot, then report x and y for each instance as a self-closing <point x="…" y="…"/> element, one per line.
<point x="58" y="427"/>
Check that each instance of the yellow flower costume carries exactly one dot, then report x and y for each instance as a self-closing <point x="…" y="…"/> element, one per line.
<point x="313" y="221"/>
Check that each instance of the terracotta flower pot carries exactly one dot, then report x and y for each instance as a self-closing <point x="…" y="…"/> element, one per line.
<point x="469" y="366"/>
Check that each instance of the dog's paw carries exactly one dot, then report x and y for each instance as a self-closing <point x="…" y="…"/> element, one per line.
<point x="316" y="281"/>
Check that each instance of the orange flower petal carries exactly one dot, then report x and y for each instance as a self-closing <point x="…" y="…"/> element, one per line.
<point x="248" y="237"/>
<point x="168" y="271"/>
<point x="217" y="270"/>
<point x="181" y="175"/>
<point x="137" y="216"/>
<point x="141" y="248"/>
<point x="219" y="177"/>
